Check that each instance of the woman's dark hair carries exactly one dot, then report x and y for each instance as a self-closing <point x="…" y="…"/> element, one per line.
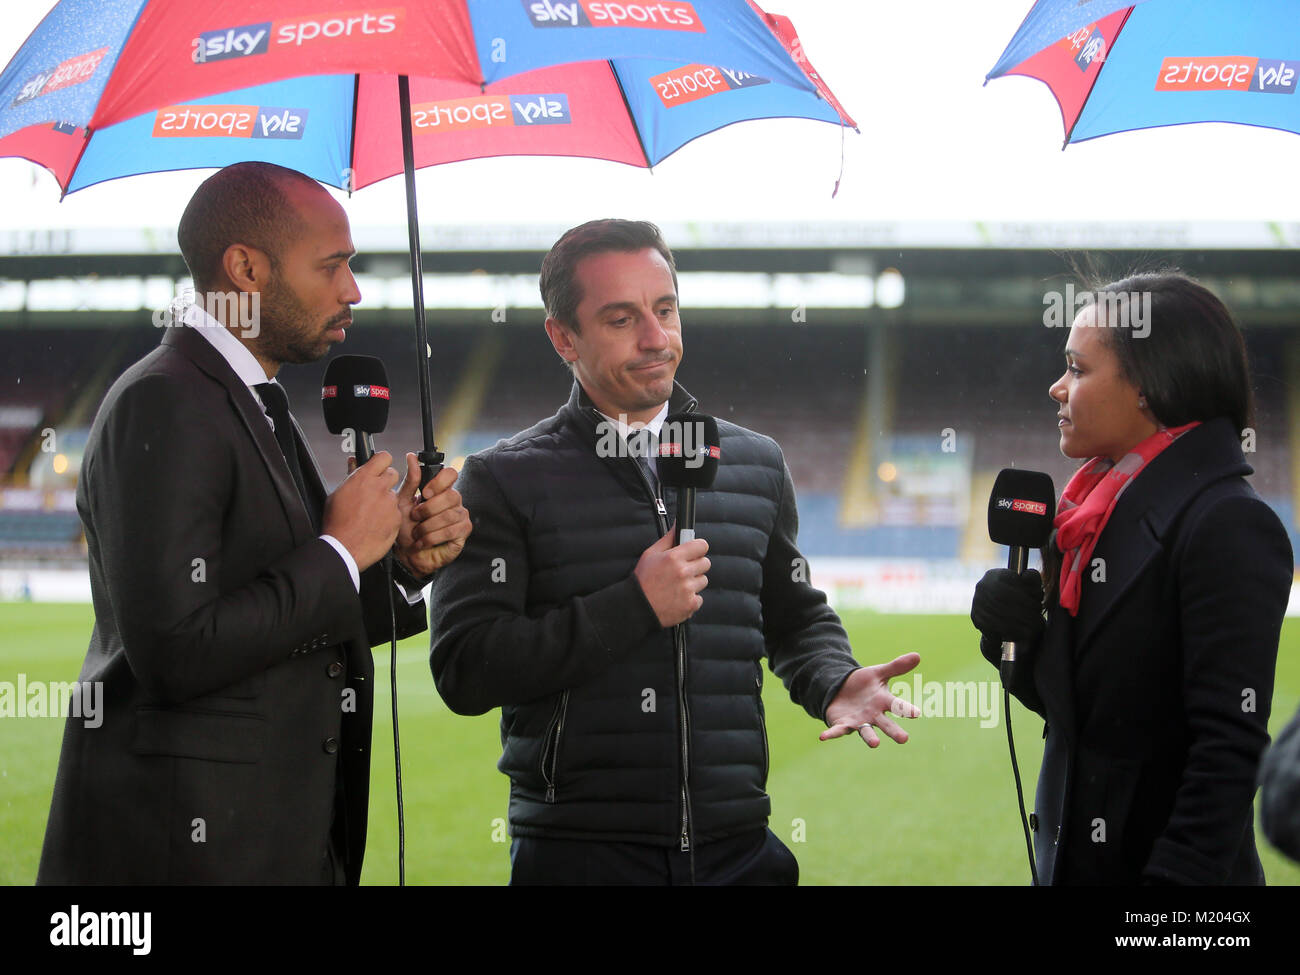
<point x="1179" y="345"/>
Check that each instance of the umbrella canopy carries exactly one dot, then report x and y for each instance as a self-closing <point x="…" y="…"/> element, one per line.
<point x="1114" y="67"/>
<point x="93" y="63"/>
<point x="109" y="88"/>
<point x="345" y="130"/>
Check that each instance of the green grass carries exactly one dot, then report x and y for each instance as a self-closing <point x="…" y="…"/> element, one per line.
<point x="938" y="810"/>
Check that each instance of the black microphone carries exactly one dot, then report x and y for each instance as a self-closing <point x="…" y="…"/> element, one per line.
<point x="354" y="396"/>
<point x="1021" y="509"/>
<point x="688" y="461"/>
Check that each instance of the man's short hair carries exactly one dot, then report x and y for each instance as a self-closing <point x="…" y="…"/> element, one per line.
<point x="241" y="204"/>
<point x="560" y="291"/>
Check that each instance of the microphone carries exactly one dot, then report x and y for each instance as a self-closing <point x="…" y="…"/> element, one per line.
<point x="354" y="396"/>
<point x="688" y="461"/>
<point x="1021" y="509"/>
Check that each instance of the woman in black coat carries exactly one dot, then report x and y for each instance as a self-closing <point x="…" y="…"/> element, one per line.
<point x="1152" y="653"/>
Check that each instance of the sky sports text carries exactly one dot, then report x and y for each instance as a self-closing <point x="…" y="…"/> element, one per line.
<point x="694" y="81"/>
<point x="1115" y="309"/>
<point x="1268" y="75"/>
<point x="229" y="122"/>
<point x="1022" y="506"/>
<point x="667" y="15"/>
<point x="249" y="39"/>
<point x="484" y="111"/>
<point x="359" y="391"/>
<point x="1087" y="45"/>
<point x="65" y="74"/>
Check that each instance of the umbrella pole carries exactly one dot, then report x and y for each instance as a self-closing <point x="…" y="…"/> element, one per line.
<point x="430" y="457"/>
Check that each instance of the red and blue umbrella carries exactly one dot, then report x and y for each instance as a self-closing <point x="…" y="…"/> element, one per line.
<point x="1114" y="67"/>
<point x="345" y="130"/>
<point x="92" y="64"/>
<point x="351" y="94"/>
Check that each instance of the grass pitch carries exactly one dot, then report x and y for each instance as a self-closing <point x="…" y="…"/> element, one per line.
<point x="939" y="810"/>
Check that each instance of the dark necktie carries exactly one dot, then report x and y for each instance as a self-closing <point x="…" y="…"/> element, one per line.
<point x="277" y="408"/>
<point x="640" y="444"/>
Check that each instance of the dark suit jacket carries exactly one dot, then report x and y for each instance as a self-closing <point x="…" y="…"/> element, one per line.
<point x="1157" y="694"/>
<point x="230" y="642"/>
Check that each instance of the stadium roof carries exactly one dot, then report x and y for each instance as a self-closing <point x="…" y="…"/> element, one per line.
<point x="392" y="238"/>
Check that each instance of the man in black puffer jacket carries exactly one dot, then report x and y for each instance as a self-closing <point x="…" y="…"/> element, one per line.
<point x="634" y="739"/>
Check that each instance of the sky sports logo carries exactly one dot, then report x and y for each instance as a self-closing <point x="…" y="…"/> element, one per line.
<point x="1269" y="75"/>
<point x="674" y="449"/>
<point x="229" y="122"/>
<point x="1086" y="45"/>
<point x="65" y="74"/>
<point x="696" y="81"/>
<point x="249" y="39"/>
<point x="665" y="15"/>
<point x="370" y="392"/>
<point x="1026" y="507"/>
<point x="485" y="111"/>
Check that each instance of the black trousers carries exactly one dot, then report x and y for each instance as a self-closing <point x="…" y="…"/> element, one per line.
<point x="756" y="857"/>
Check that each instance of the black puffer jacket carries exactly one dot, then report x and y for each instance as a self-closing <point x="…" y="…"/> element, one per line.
<point x="542" y="615"/>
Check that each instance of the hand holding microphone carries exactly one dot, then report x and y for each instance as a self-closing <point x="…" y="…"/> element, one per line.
<point x="1009" y="607"/>
<point x="362" y="512"/>
<point x="1007" y="603"/>
<point x="672" y="578"/>
<point x="672" y="571"/>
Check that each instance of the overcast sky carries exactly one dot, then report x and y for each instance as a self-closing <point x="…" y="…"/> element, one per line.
<point x="935" y="144"/>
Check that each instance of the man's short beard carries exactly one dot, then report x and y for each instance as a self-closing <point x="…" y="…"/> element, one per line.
<point x="288" y="333"/>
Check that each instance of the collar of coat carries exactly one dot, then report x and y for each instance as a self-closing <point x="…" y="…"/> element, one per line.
<point x="1150" y="508"/>
<point x="207" y="359"/>
<point x="582" y="411"/>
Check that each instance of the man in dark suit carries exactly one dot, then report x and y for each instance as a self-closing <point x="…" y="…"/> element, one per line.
<point x="235" y="602"/>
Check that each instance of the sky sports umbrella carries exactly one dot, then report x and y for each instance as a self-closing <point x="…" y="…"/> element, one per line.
<point x="1114" y="67"/>
<point x="343" y="129"/>
<point x="108" y="88"/>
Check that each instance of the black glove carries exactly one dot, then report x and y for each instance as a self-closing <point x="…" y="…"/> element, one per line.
<point x="1007" y="606"/>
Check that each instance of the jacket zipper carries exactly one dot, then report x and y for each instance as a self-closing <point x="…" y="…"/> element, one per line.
<point x="553" y="739"/>
<point x="679" y="638"/>
<point x="679" y="644"/>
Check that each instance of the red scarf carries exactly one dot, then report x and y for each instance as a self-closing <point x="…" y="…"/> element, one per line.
<point x="1089" y="499"/>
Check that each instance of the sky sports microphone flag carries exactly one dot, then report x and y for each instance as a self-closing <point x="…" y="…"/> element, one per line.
<point x="354" y="397"/>
<point x="91" y="64"/>
<point x="1116" y="66"/>
<point x="1022" y="506"/>
<point x="689" y="453"/>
